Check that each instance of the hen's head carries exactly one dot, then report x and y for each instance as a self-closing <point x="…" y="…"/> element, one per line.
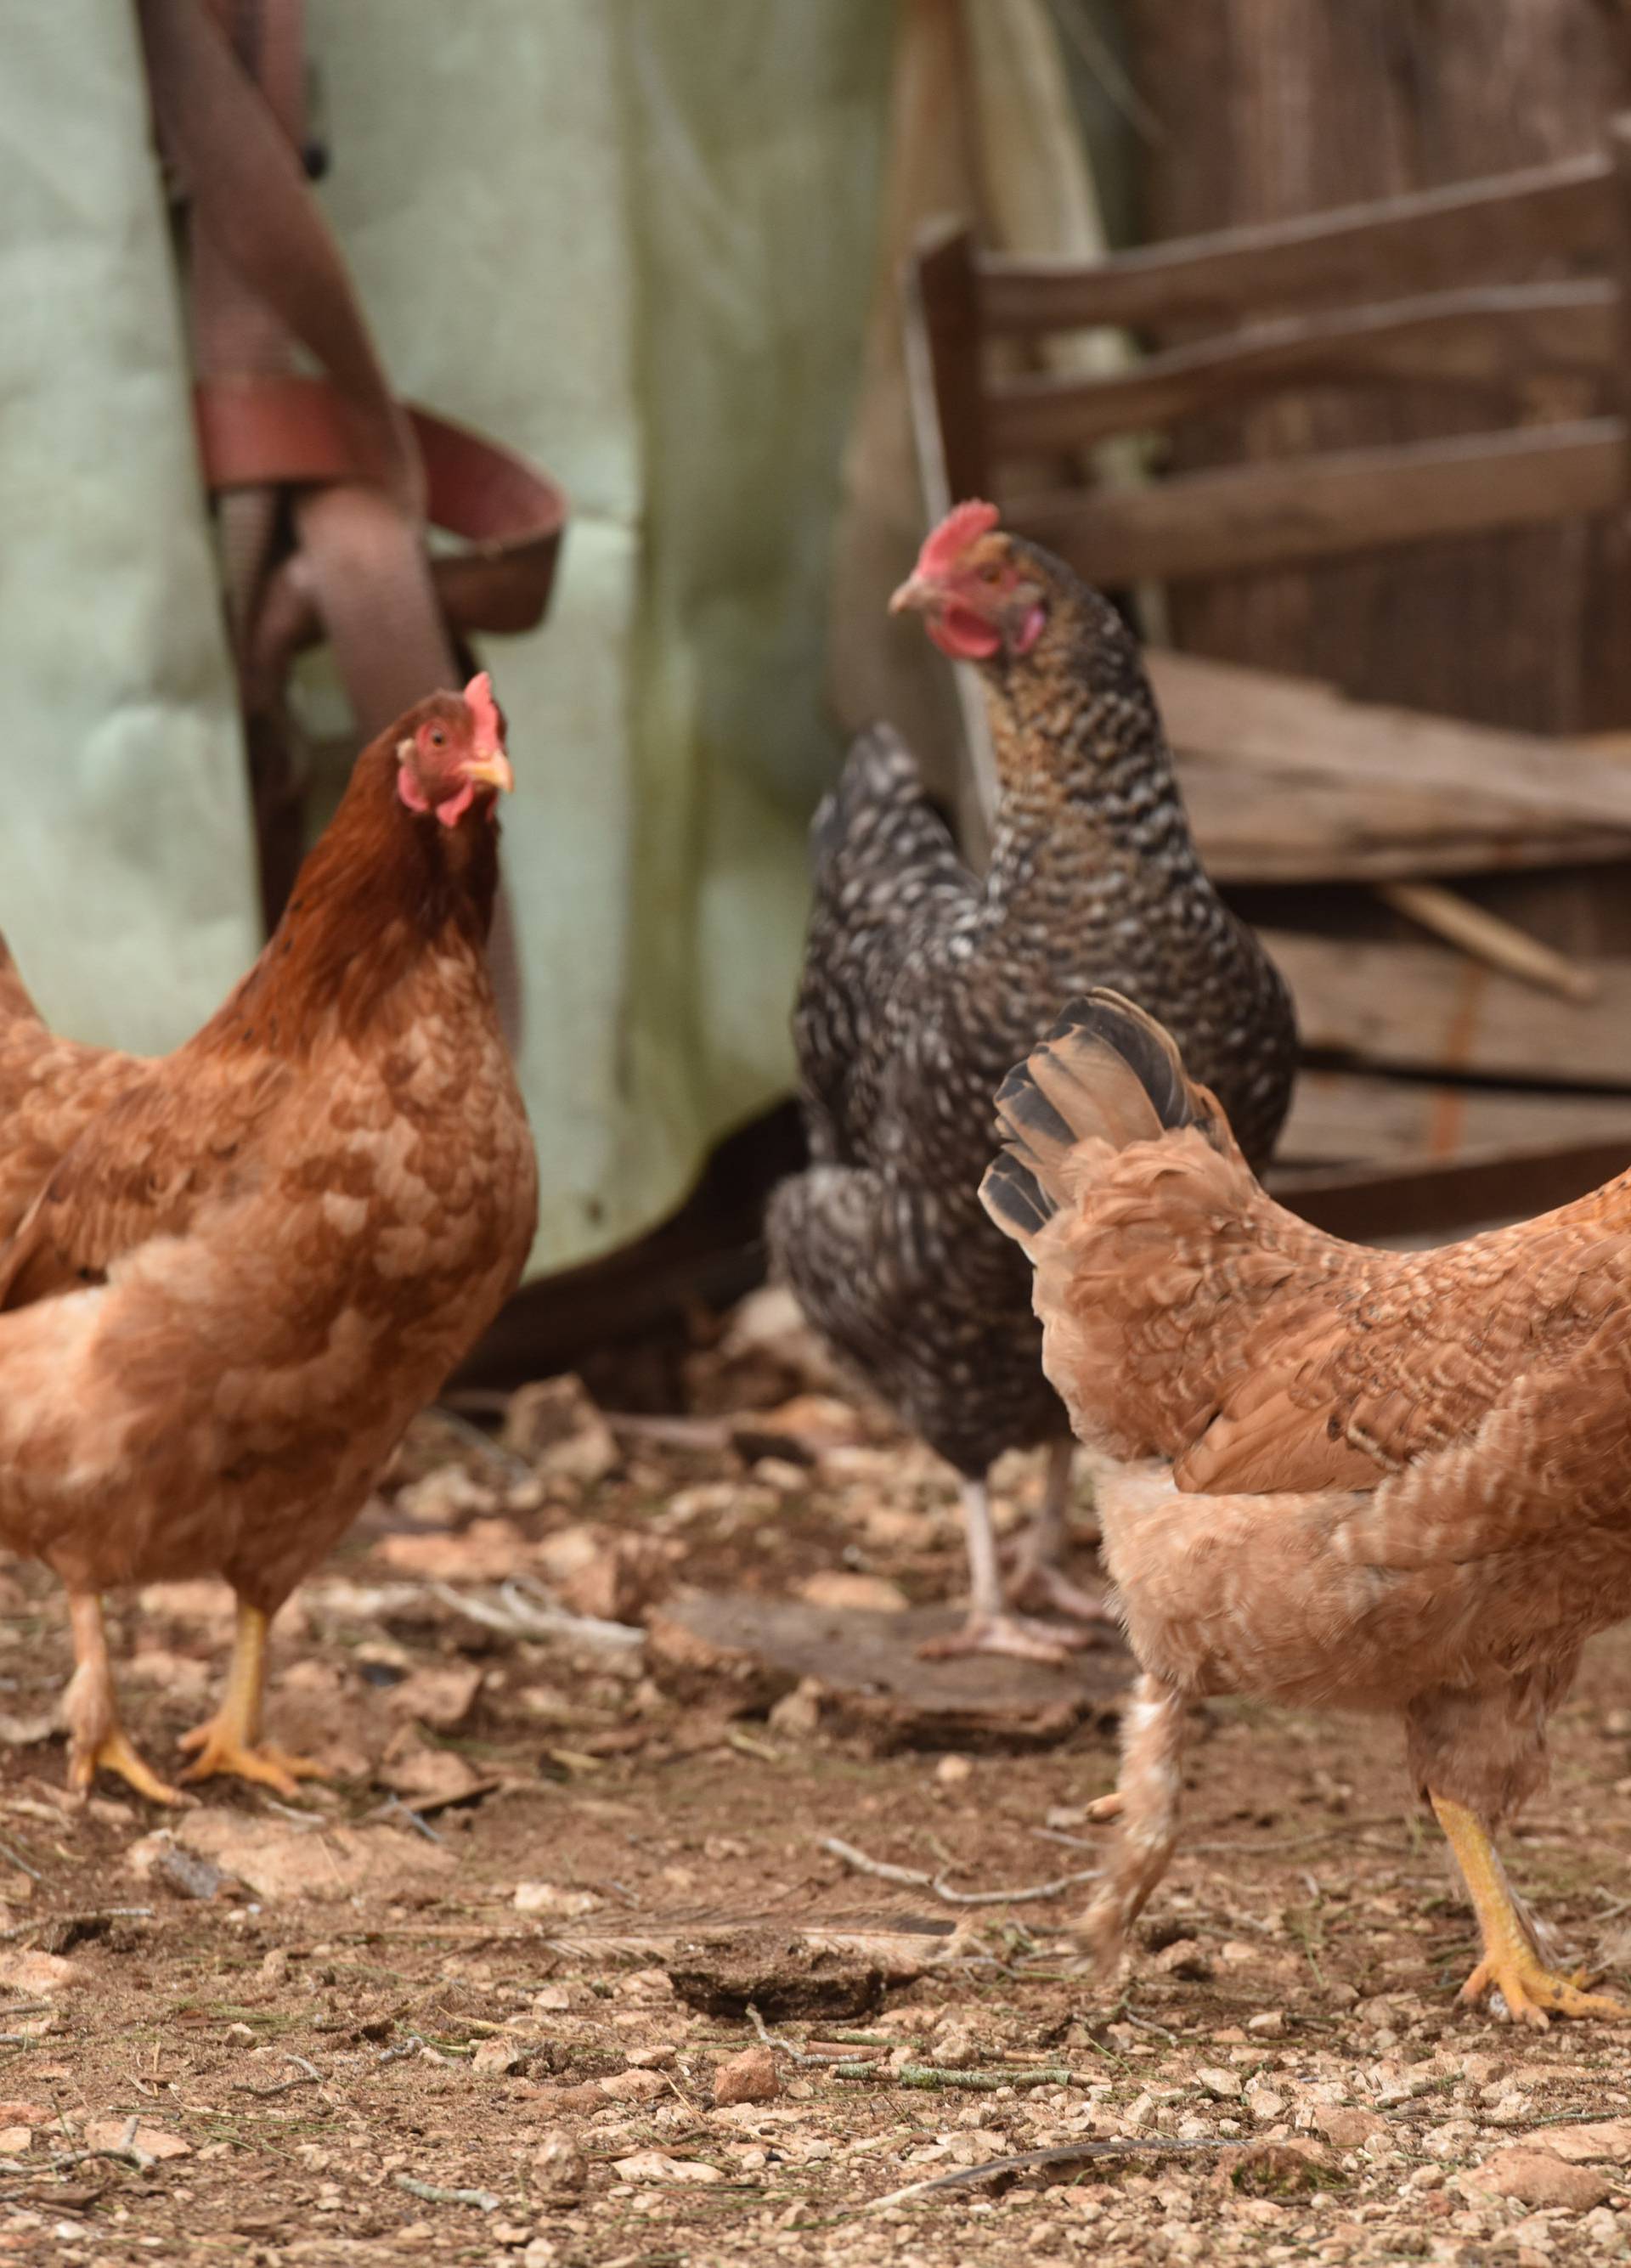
<point x="450" y="754"/>
<point x="980" y="593"/>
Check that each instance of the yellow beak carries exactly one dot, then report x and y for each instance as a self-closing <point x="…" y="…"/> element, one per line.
<point x="491" y="770"/>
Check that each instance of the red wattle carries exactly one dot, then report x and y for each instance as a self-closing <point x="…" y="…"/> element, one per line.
<point x="964" y="635"/>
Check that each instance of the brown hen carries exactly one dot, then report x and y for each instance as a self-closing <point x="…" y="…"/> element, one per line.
<point x="1386" y="1481"/>
<point x="252" y="1261"/>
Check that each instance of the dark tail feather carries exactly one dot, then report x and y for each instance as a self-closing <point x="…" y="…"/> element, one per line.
<point x="1106" y="1072"/>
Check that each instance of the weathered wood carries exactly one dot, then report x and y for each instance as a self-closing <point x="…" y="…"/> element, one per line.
<point x="1317" y="507"/>
<point x="1281" y="115"/>
<point x="1474" y="930"/>
<point x="1358" y="1118"/>
<point x="1494" y="342"/>
<point x="1431" y="238"/>
<point x="941" y="335"/>
<point x="1409" y="1007"/>
<point x="943" y="375"/>
<point x="1224" y="713"/>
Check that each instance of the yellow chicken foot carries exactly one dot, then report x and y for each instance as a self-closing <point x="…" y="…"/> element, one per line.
<point x="230" y="1741"/>
<point x="1510" y="1965"/>
<point x="991" y="1627"/>
<point x="97" y="1741"/>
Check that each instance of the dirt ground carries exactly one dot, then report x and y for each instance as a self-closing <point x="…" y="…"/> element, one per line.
<point x="480" y="1998"/>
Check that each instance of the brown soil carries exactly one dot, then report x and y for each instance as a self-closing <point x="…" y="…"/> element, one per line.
<point x="352" y="2007"/>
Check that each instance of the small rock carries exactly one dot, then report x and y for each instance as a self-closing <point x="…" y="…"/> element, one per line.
<point x="556" y="1425"/>
<point x="1270" y="2024"/>
<point x="1348" y="2129"/>
<point x="954" y="1771"/>
<point x="1266" y="2106"/>
<point x="440" y="1695"/>
<point x="13" y="2139"/>
<point x="749" y="2077"/>
<point x="1185" y="1958"/>
<point x="412" y="1768"/>
<point x="1607" y="2138"/>
<point x="498" y="2060"/>
<point x="847" y="1593"/>
<point x="157" y="2141"/>
<point x="653" y="2166"/>
<point x="554" y="1900"/>
<point x="1223" y="2085"/>
<point x="1537" y="2176"/>
<point x="955" y="2046"/>
<point x="797" y="1715"/>
<point x="274" y="1966"/>
<point x="634" y="2086"/>
<point x="559" y="2167"/>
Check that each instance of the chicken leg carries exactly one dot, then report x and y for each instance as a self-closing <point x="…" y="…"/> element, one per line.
<point x="97" y="1739"/>
<point x="1510" y="1962"/>
<point x="230" y="1741"/>
<point x="992" y="1626"/>
<point x="1146" y="1809"/>
<point x="1038" y="1580"/>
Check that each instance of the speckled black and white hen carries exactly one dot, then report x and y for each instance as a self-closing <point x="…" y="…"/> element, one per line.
<point x="923" y="984"/>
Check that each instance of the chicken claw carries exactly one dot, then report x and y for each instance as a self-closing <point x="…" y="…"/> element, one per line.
<point x="1532" y="1992"/>
<point x="230" y="1741"/>
<point x="99" y="1741"/>
<point x="117" y="1753"/>
<point x="1006" y="1633"/>
<point x="214" y="1750"/>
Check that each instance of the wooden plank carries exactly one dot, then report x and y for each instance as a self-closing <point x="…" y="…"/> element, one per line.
<point x="1224" y="714"/>
<point x="1427" y="1203"/>
<point x="1493" y="341"/>
<point x="1355" y="1119"/>
<point x="1251" y="830"/>
<point x="942" y="319"/>
<point x="941" y="338"/>
<point x="1408" y="1007"/>
<point x="1430" y="239"/>
<point x="1317" y="507"/>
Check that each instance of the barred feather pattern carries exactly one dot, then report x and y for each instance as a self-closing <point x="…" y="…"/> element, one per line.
<point x="923" y="984"/>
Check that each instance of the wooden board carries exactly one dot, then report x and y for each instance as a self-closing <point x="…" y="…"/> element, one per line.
<point x="1348" y="1118"/>
<point x="747" y="1650"/>
<point x="1319" y="507"/>
<point x="1407" y="1008"/>
<point x="1433" y="238"/>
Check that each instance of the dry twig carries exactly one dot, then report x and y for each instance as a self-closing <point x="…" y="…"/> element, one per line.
<point x="1024" y="2162"/>
<point x="433" y="2193"/>
<point x="913" y="1878"/>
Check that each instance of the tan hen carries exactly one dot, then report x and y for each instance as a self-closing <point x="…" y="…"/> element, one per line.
<point x="1385" y="1480"/>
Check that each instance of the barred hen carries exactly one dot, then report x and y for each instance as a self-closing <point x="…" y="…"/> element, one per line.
<point x="232" y="1274"/>
<point x="923" y="981"/>
<point x="1377" y="1480"/>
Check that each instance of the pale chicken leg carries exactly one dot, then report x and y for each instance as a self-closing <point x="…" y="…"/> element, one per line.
<point x="993" y="1624"/>
<point x="97" y="1737"/>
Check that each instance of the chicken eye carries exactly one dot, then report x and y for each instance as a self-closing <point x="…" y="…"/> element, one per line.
<point x="438" y="737"/>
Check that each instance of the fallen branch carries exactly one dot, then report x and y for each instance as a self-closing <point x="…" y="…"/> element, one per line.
<point x="11" y="1852"/>
<point x="1065" y="2155"/>
<point x="769" y="2039"/>
<point x="981" y="2082"/>
<point x="306" y="2075"/>
<point x="433" y="2193"/>
<point x="518" y="1615"/>
<point x="74" y="1921"/>
<point x="913" y="1878"/>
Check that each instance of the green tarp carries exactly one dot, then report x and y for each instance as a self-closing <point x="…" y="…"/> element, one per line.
<point x="630" y="237"/>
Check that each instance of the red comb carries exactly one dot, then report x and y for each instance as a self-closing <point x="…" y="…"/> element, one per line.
<point x="963" y="524"/>
<point x="479" y="701"/>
